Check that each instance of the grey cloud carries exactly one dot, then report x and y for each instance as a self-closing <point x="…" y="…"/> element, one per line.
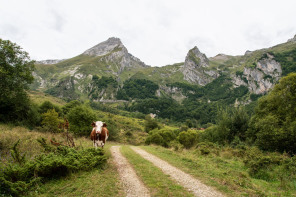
<point x="257" y="35"/>
<point x="59" y="21"/>
<point x="11" y="30"/>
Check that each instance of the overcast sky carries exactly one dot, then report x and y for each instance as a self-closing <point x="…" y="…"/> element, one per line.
<point x="159" y="32"/>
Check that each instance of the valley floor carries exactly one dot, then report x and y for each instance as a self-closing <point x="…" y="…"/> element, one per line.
<point x="160" y="171"/>
<point x="137" y="171"/>
<point x="131" y="172"/>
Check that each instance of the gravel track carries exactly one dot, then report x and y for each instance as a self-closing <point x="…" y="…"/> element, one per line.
<point x="132" y="185"/>
<point x="184" y="179"/>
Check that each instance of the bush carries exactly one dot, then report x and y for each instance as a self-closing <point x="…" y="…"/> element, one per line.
<point x="68" y="106"/>
<point x="80" y="119"/>
<point x="267" y="166"/>
<point x="188" y="138"/>
<point x="205" y="148"/>
<point x="51" y="121"/>
<point x="232" y="125"/>
<point x="17" y="179"/>
<point x="35" y="117"/>
<point x="47" y="105"/>
<point x="161" y="137"/>
<point x="113" y="128"/>
<point x="156" y="138"/>
<point x="150" y="123"/>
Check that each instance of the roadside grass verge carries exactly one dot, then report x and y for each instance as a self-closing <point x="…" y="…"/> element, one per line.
<point x="156" y="181"/>
<point x="225" y="172"/>
<point x="97" y="182"/>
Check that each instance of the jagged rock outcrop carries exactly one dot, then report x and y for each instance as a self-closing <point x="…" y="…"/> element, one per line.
<point x="175" y="92"/>
<point x="292" y="39"/>
<point x="105" y="47"/>
<point x="262" y="78"/>
<point x="49" y="61"/>
<point x="195" y="69"/>
<point x="111" y="59"/>
<point x="248" y="52"/>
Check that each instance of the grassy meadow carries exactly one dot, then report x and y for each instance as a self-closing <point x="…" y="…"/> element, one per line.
<point x="224" y="169"/>
<point x="103" y="181"/>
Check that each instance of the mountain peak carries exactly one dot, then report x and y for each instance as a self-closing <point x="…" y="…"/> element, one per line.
<point x="197" y="58"/>
<point x="292" y="39"/>
<point x="105" y="47"/>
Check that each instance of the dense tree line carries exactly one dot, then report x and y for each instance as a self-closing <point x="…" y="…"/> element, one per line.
<point x="201" y="104"/>
<point x="137" y="89"/>
<point x="100" y="84"/>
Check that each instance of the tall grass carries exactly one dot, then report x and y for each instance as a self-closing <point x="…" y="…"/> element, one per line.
<point x="28" y="159"/>
<point x="9" y="135"/>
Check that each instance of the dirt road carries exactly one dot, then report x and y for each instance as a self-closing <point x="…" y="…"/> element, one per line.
<point x="134" y="187"/>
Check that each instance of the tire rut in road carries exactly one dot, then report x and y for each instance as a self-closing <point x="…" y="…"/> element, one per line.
<point x="132" y="185"/>
<point x="184" y="179"/>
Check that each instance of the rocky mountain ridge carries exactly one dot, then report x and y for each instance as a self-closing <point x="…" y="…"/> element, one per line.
<point x="257" y="70"/>
<point x="52" y="61"/>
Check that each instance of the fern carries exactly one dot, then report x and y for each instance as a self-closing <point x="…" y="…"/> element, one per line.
<point x="17" y="157"/>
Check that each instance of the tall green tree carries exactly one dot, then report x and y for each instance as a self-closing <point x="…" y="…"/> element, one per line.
<point x="80" y="119"/>
<point x="16" y="74"/>
<point x="51" y="121"/>
<point x="273" y="126"/>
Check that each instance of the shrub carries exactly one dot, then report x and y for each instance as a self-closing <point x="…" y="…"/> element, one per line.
<point x="51" y="121"/>
<point x="35" y="117"/>
<point x="232" y="124"/>
<point x="67" y="107"/>
<point x="80" y="119"/>
<point x="271" y="166"/>
<point x="161" y="137"/>
<point x="113" y="128"/>
<point x="47" y="105"/>
<point x="205" y="148"/>
<point x="17" y="179"/>
<point x="150" y="123"/>
<point x="188" y="138"/>
<point x="156" y="138"/>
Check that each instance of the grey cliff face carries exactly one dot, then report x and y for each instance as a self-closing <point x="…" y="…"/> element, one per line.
<point x="260" y="79"/>
<point x="174" y="92"/>
<point x="292" y="39"/>
<point x="195" y="69"/>
<point x="49" y="61"/>
<point x="194" y="56"/>
<point x="105" y="47"/>
<point x="113" y="50"/>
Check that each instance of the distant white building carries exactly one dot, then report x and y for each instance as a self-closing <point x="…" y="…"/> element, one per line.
<point x="152" y="115"/>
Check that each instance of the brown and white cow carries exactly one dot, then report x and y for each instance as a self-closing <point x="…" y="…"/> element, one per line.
<point x="99" y="134"/>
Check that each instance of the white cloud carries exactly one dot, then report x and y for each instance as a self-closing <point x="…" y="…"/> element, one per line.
<point x="159" y="32"/>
